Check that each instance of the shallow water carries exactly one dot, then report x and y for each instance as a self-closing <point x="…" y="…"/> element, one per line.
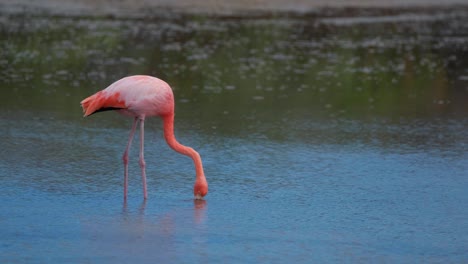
<point x="325" y="138"/>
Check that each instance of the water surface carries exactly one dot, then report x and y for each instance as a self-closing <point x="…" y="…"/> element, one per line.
<point x="326" y="137"/>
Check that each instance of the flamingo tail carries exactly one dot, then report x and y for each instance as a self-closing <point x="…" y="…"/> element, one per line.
<point x="98" y="103"/>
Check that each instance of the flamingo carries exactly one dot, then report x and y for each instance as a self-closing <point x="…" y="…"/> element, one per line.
<point x="141" y="96"/>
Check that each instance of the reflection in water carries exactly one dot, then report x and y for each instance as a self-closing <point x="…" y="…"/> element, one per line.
<point x="199" y="211"/>
<point x="277" y="69"/>
<point x="145" y="233"/>
<point x="141" y="210"/>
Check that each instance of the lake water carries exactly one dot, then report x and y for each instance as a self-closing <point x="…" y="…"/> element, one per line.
<point x="333" y="136"/>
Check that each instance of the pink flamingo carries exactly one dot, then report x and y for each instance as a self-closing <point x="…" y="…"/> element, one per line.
<point x="141" y="96"/>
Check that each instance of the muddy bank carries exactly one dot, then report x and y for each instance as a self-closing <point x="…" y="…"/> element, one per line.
<point x="144" y="8"/>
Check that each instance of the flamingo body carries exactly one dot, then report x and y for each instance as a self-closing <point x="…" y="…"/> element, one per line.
<point x="140" y="96"/>
<point x="134" y="96"/>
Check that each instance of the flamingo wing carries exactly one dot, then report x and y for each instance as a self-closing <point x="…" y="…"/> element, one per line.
<point x="99" y="102"/>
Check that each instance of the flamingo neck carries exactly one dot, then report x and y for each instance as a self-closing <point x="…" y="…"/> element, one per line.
<point x="187" y="151"/>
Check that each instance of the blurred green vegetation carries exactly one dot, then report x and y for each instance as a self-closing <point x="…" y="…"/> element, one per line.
<point x="239" y="71"/>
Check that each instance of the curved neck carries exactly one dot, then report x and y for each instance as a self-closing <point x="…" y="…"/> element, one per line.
<point x="175" y="145"/>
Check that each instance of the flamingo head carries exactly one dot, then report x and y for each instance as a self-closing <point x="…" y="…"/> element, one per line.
<point x="200" y="189"/>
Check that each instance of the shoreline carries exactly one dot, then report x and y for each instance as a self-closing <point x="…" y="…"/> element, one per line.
<point x="145" y="8"/>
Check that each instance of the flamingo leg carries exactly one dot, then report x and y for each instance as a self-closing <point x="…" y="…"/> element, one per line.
<point x="142" y="157"/>
<point x="125" y="157"/>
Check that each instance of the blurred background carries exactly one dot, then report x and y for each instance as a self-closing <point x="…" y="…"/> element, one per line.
<point x="330" y="131"/>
